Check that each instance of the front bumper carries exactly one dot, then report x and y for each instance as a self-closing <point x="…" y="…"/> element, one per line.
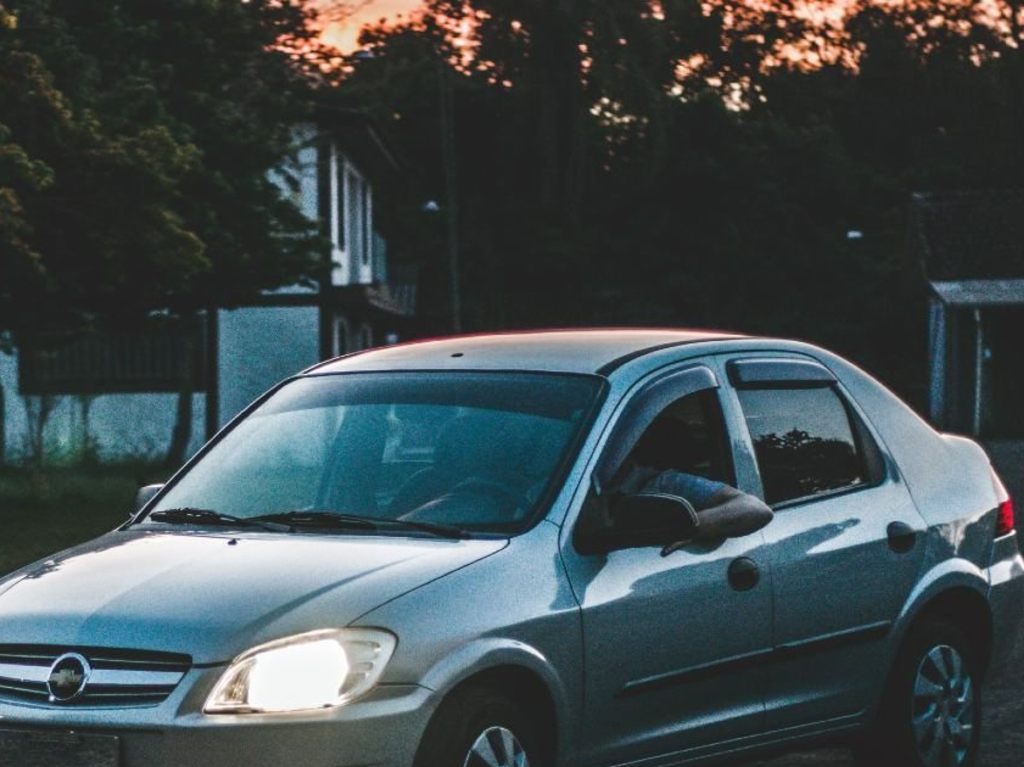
<point x="383" y="728"/>
<point x="1006" y="599"/>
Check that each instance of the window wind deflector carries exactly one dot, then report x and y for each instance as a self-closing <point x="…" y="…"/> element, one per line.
<point x="190" y="516"/>
<point x="640" y="413"/>
<point x="779" y="374"/>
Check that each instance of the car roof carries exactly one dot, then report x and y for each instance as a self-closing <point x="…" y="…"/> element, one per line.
<point x="563" y="351"/>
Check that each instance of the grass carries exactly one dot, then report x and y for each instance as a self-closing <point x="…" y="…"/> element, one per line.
<point x="44" y="511"/>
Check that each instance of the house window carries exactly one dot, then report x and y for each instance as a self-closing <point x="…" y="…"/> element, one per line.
<point x="354" y="213"/>
<point x="367" y="224"/>
<point x="358" y="220"/>
<point x="333" y="203"/>
<point x="337" y="198"/>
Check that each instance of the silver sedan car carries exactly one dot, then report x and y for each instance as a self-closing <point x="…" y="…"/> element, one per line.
<point x="425" y="556"/>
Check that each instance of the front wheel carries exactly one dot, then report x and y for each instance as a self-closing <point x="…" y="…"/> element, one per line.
<point x="496" y="747"/>
<point x="931" y="713"/>
<point x="479" y="727"/>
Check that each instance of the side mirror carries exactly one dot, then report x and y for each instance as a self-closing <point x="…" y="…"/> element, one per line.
<point x="736" y="521"/>
<point x="645" y="519"/>
<point x="144" y="496"/>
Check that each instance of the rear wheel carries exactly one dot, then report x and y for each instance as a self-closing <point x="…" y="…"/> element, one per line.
<point x="479" y="727"/>
<point x="931" y="713"/>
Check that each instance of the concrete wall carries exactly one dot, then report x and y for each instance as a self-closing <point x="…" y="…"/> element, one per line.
<point x="259" y="347"/>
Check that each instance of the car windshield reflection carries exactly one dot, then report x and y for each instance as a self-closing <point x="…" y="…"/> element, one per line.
<point x="434" y="453"/>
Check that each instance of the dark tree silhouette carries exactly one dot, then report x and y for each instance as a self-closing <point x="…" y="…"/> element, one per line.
<point x="796" y="465"/>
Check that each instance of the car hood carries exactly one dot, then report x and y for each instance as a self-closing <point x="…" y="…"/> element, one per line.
<point x="213" y="595"/>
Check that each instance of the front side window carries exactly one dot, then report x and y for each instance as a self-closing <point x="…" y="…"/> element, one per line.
<point x="688" y="437"/>
<point x="475" y="451"/>
<point x="804" y="440"/>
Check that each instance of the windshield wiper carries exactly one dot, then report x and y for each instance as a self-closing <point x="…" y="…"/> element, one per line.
<point x="190" y="516"/>
<point x="338" y="521"/>
<point x="442" y="531"/>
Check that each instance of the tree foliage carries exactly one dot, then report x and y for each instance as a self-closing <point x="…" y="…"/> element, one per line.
<point x="693" y="162"/>
<point x="698" y="163"/>
<point x="136" y="141"/>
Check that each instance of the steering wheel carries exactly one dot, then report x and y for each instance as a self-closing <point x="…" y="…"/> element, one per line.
<point x="508" y="498"/>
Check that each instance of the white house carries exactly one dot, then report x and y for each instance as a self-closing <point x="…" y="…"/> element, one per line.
<point x="123" y="391"/>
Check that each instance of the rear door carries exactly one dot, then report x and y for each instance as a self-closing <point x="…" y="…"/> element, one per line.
<point x="846" y="544"/>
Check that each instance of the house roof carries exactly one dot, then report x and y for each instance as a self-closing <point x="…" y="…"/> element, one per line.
<point x="980" y="293"/>
<point x="975" y="236"/>
<point x="359" y="137"/>
<point x="568" y="351"/>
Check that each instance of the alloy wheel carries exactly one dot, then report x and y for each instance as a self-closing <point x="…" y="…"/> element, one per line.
<point x="496" y="747"/>
<point x="943" y="711"/>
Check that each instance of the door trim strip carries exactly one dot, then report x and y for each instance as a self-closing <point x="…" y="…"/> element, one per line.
<point x="871" y="632"/>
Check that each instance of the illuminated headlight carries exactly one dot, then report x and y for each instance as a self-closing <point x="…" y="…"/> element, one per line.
<point x="322" y="669"/>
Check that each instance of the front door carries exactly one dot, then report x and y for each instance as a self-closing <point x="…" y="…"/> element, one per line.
<point x="672" y="648"/>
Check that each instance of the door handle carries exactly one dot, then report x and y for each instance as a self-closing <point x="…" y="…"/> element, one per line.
<point x="902" y="537"/>
<point x="744" y="574"/>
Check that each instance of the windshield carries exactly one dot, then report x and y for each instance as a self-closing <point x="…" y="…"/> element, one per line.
<point x="474" y="451"/>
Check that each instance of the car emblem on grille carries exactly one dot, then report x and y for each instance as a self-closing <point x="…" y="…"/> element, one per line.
<point x="68" y="676"/>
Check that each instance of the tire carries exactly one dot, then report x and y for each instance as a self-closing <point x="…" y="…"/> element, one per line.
<point x="931" y="708"/>
<point x="475" y="721"/>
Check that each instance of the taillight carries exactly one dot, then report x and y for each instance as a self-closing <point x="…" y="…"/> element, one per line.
<point x="1004" y="524"/>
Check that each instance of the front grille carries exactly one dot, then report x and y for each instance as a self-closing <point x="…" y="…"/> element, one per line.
<point x="117" y="678"/>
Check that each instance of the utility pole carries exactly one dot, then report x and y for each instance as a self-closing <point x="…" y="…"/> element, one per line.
<point x="448" y="158"/>
<point x="979" y="373"/>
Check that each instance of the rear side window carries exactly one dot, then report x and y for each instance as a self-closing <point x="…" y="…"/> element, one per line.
<point x="805" y="440"/>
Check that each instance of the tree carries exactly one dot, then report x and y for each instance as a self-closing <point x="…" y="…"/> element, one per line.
<point x="24" y="78"/>
<point x="161" y="194"/>
<point x="138" y="141"/>
<point x="685" y="162"/>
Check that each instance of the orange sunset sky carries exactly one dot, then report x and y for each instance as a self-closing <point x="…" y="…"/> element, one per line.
<point x="344" y="35"/>
<point x="823" y="13"/>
